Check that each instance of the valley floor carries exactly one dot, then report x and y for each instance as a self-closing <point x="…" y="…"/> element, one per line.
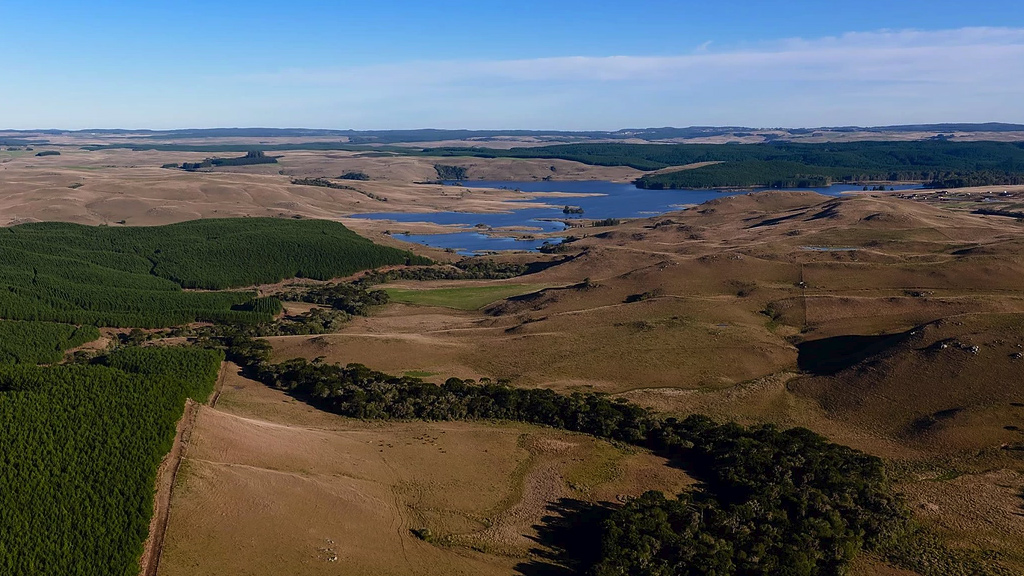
<point x="269" y="485"/>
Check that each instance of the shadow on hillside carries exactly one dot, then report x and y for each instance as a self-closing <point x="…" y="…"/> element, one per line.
<point x="831" y="355"/>
<point x="777" y="220"/>
<point x="568" y="538"/>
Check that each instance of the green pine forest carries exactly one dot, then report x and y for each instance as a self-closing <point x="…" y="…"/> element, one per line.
<point x="79" y="450"/>
<point x="41" y="342"/>
<point x="140" y="276"/>
<point x="937" y="163"/>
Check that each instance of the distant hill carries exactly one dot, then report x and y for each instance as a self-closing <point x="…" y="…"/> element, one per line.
<point x="983" y="127"/>
<point x="434" y="135"/>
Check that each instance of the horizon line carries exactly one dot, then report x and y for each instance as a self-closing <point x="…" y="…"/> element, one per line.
<point x="533" y="130"/>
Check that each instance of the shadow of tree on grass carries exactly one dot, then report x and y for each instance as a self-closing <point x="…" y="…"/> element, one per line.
<point x="568" y="538"/>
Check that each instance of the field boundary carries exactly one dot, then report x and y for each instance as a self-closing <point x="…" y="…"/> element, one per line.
<point x="167" y="475"/>
<point x="219" y="386"/>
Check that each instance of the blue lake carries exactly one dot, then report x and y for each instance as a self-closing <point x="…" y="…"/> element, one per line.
<point x="611" y="200"/>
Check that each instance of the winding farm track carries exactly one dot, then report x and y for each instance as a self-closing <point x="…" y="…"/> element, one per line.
<point x="167" y="474"/>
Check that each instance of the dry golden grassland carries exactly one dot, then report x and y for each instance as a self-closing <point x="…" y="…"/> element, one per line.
<point x="707" y="310"/>
<point x="271" y="486"/>
<point x="730" y="294"/>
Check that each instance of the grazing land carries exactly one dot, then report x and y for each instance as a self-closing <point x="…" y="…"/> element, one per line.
<point x="723" y="310"/>
<point x="312" y="492"/>
<point x="461" y="298"/>
<point x="542" y="393"/>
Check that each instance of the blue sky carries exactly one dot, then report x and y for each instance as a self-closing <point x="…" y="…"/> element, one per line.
<point x="562" y="64"/>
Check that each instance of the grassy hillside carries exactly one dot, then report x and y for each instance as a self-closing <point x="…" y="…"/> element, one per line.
<point x="80" y="448"/>
<point x="951" y="385"/>
<point x="121" y="276"/>
<point x="462" y="298"/>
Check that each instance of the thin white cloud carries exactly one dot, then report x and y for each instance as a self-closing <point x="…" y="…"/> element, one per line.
<point x="953" y="56"/>
<point x="882" y="77"/>
<point x="865" y="78"/>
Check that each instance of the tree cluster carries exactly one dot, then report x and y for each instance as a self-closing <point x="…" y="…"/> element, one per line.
<point x="361" y="176"/>
<point x="448" y="172"/>
<point x="350" y="298"/>
<point x="468" y="269"/>
<point x="321" y="182"/>
<point x="250" y="158"/>
<point x="773" y="502"/>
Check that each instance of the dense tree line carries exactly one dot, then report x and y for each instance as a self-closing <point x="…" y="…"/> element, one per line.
<point x="193" y="166"/>
<point x="40" y="342"/>
<point x="250" y="158"/>
<point x="468" y="269"/>
<point x="871" y="156"/>
<point x="750" y="173"/>
<point x="266" y="305"/>
<point x="362" y="176"/>
<point x="133" y="276"/>
<point x="1000" y="212"/>
<point x="977" y="178"/>
<point x="321" y="182"/>
<point x="782" y="164"/>
<point x="325" y="183"/>
<point x="79" y="450"/>
<point x="350" y="298"/>
<point x="316" y="321"/>
<point x="782" y="174"/>
<point x="773" y="502"/>
<point x="447" y="172"/>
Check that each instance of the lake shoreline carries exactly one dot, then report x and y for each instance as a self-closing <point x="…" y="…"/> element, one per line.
<point x="540" y="216"/>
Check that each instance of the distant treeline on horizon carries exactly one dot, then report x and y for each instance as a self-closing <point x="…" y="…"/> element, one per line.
<point x="433" y="134"/>
<point x="937" y="161"/>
